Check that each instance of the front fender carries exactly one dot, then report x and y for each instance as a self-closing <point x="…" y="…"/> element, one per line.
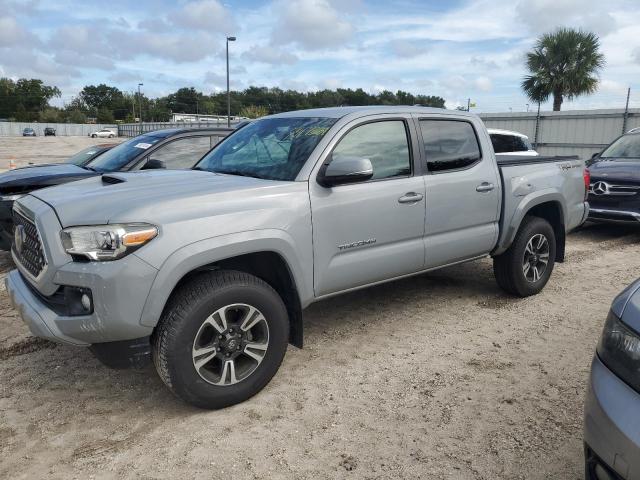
<point x="211" y="250"/>
<point x="512" y="219"/>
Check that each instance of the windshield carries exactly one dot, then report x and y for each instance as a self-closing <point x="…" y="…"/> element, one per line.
<point x="116" y="158"/>
<point x="83" y="156"/>
<point x="273" y="148"/>
<point x="626" y="147"/>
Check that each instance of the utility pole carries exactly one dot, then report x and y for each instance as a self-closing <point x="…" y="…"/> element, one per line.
<point x="140" y="104"/>
<point x="468" y="104"/>
<point x="626" y="112"/>
<point x="229" y="39"/>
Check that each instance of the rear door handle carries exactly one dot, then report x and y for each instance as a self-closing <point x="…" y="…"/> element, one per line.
<point x="410" y="197"/>
<point x="485" y="187"/>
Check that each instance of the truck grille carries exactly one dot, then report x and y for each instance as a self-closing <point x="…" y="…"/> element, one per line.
<point x="31" y="255"/>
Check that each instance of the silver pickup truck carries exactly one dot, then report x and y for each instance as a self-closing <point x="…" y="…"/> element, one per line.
<point x="208" y="271"/>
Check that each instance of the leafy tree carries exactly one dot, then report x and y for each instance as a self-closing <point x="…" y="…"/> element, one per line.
<point x="100" y="96"/>
<point x="50" y="115"/>
<point x="104" y="116"/>
<point x="565" y="63"/>
<point x="76" y="116"/>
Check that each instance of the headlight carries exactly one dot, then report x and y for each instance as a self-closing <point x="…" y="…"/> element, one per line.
<point x="619" y="350"/>
<point x="107" y="242"/>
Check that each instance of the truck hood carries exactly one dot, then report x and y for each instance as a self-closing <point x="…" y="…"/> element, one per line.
<point x="39" y="176"/>
<point x="149" y="196"/>
<point x="615" y="170"/>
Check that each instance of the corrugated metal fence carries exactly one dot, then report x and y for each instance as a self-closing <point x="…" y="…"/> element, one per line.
<point x="133" y="129"/>
<point x="14" y="129"/>
<point x="577" y="132"/>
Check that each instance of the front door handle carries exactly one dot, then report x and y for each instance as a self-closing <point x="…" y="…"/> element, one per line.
<point x="410" y="197"/>
<point x="485" y="187"/>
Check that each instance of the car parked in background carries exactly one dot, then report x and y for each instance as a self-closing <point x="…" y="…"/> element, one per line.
<point x="28" y="132"/>
<point x="104" y="133"/>
<point x="612" y="407"/>
<point x="165" y="149"/>
<point x="614" y="193"/>
<point x="508" y="142"/>
<point x="49" y="132"/>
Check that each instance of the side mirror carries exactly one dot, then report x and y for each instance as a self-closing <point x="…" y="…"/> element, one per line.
<point x="595" y="155"/>
<point x="153" y="164"/>
<point x="341" y="170"/>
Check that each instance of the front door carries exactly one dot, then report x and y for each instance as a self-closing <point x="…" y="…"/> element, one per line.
<point x="370" y="231"/>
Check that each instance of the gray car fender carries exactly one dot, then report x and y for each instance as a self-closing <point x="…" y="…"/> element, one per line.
<point x="211" y="250"/>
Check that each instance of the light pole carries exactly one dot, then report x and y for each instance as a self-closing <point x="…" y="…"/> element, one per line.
<point x="140" y="105"/>
<point x="229" y="39"/>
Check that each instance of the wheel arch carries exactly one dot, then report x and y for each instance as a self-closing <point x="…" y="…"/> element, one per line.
<point x="546" y="205"/>
<point x="272" y="261"/>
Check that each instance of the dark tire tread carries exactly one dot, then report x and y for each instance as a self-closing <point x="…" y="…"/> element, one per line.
<point x="180" y="306"/>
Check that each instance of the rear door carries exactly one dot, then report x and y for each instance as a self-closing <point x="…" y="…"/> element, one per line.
<point x="370" y="231"/>
<point x="463" y="191"/>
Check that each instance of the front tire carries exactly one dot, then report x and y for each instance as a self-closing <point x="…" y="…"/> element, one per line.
<point x="221" y="338"/>
<point x="93" y="136"/>
<point x="524" y="269"/>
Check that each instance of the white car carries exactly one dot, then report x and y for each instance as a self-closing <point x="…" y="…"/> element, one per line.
<point x="104" y="133"/>
<point x="507" y="142"/>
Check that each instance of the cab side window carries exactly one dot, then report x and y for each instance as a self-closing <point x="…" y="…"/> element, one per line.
<point x="449" y="144"/>
<point x="384" y="143"/>
<point x="182" y="153"/>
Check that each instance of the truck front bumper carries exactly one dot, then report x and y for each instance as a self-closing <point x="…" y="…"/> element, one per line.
<point x="119" y="291"/>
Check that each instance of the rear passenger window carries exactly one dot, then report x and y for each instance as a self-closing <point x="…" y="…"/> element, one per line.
<point x="384" y="143"/>
<point x="449" y="144"/>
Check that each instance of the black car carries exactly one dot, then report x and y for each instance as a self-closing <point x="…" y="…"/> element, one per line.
<point x="28" y="132"/>
<point x="49" y="131"/>
<point x="614" y="192"/>
<point x="172" y="149"/>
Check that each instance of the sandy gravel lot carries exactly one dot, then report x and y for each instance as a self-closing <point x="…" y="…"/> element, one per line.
<point x="24" y="150"/>
<point x="439" y="376"/>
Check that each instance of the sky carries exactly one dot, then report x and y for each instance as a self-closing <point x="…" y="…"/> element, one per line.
<point x="457" y="49"/>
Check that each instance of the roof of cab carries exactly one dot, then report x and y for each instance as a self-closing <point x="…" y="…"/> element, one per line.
<point x="170" y="132"/>
<point x="339" y="112"/>
<point x="499" y="131"/>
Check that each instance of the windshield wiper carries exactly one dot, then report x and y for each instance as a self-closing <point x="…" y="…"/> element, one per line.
<point x="239" y="173"/>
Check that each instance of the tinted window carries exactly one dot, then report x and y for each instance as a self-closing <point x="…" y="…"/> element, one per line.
<point x="385" y="144"/>
<point x="625" y="147"/>
<point x="501" y="143"/>
<point x="116" y="158"/>
<point x="449" y="144"/>
<point x="182" y="153"/>
<point x="272" y="148"/>
<point x="83" y="156"/>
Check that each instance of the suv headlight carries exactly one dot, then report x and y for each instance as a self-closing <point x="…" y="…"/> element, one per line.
<point x="107" y="242"/>
<point x="619" y="350"/>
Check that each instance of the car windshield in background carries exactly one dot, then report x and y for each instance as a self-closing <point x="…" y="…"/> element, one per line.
<point x="625" y="148"/>
<point x="118" y="157"/>
<point x="83" y="156"/>
<point x="273" y="148"/>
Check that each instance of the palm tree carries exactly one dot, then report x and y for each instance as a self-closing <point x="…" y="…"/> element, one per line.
<point x="564" y="63"/>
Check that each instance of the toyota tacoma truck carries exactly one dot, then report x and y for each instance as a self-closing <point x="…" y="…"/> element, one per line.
<point x="208" y="271"/>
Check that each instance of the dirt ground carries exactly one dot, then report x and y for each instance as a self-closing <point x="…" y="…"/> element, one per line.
<point x="439" y="376"/>
<point x="21" y="151"/>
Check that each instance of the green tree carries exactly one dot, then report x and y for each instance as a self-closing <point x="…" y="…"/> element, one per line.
<point x="563" y="64"/>
<point x="104" y="116"/>
<point x="76" y="116"/>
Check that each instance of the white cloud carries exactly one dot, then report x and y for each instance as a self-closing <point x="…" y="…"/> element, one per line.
<point x="483" y="84"/>
<point x="311" y="24"/>
<point x="11" y="33"/>
<point x="407" y="49"/>
<point x="208" y="15"/>
<point x="269" y="54"/>
<point x="545" y="15"/>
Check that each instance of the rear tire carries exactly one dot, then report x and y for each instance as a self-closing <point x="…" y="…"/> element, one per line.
<point x="524" y="269"/>
<point x="213" y="367"/>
